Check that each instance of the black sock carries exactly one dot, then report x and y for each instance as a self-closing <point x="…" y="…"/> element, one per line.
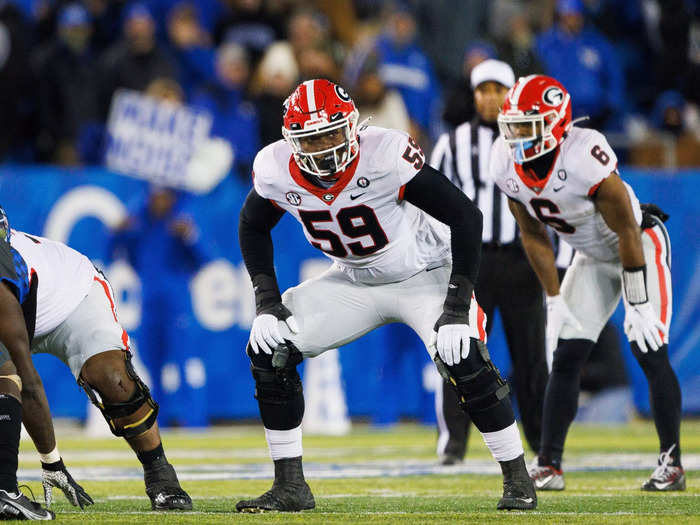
<point x="152" y="456"/>
<point x="664" y="397"/>
<point x="561" y="398"/>
<point x="10" y="427"/>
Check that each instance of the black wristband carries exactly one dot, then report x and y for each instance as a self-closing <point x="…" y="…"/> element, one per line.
<point x="54" y="467"/>
<point x="459" y="296"/>
<point x="267" y="292"/>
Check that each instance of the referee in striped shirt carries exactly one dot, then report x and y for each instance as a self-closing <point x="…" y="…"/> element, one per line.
<point x="506" y="280"/>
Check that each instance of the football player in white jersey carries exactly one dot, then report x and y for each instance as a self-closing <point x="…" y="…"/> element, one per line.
<point x="566" y="177"/>
<point x="18" y="378"/>
<point x="368" y="200"/>
<point x="74" y="318"/>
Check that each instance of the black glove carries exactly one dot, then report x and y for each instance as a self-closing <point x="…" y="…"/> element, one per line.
<point x="56" y="475"/>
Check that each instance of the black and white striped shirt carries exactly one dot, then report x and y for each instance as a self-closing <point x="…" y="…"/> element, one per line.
<point x="463" y="156"/>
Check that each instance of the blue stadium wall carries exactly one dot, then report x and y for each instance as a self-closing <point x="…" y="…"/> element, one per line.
<point x="207" y="372"/>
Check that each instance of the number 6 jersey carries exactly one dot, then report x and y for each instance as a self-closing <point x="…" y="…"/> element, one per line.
<point x="361" y="221"/>
<point x="564" y="199"/>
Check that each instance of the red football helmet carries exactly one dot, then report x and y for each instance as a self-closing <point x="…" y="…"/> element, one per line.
<point x="535" y="117"/>
<point x="320" y="125"/>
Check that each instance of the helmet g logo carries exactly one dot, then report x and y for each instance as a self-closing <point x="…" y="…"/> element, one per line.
<point x="342" y="94"/>
<point x="552" y="96"/>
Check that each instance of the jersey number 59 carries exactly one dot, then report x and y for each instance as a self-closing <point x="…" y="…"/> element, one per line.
<point x="355" y="222"/>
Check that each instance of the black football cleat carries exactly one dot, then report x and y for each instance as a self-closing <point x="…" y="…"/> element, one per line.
<point x="518" y="490"/>
<point x="289" y="492"/>
<point x="163" y="488"/>
<point x="17" y="506"/>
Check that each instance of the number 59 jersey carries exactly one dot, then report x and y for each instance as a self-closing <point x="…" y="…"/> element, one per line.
<point x="564" y="199"/>
<point x="361" y="222"/>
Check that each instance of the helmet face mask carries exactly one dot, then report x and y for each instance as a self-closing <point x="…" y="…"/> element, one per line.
<point x="320" y="126"/>
<point x="529" y="136"/>
<point x="327" y="150"/>
<point x="535" y="117"/>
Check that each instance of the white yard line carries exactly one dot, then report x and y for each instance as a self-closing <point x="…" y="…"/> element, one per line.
<point x="364" y="469"/>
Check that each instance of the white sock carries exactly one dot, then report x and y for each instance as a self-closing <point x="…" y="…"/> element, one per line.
<point x="284" y="443"/>
<point x="504" y="444"/>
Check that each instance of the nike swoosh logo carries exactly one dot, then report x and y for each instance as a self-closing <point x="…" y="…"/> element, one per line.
<point x="433" y="268"/>
<point x="353" y="197"/>
<point x="541" y="482"/>
<point x="527" y="500"/>
<point x="662" y="485"/>
<point x="559" y="188"/>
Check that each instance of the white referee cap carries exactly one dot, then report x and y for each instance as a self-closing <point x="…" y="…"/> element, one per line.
<point x="494" y="71"/>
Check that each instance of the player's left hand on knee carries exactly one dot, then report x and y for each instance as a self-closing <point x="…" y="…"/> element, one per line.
<point x="643" y="326"/>
<point x="56" y="475"/>
<point x="265" y="333"/>
<point x="450" y="338"/>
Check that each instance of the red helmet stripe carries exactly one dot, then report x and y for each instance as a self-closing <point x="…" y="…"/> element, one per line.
<point x="310" y="96"/>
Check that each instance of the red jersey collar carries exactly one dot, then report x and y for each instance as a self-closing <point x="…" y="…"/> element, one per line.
<point x="530" y="179"/>
<point x="327" y="195"/>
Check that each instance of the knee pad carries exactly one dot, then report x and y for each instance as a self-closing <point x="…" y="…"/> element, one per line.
<point x="275" y="384"/>
<point x="477" y="380"/>
<point x="112" y="411"/>
<point x="279" y="390"/>
<point x="15" y="379"/>
<point x="571" y="354"/>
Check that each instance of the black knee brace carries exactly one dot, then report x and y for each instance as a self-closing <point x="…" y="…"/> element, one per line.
<point x="278" y="388"/>
<point x="117" y="410"/>
<point x="481" y="391"/>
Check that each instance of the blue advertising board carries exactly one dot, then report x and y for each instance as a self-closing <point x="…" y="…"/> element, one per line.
<point x="205" y="372"/>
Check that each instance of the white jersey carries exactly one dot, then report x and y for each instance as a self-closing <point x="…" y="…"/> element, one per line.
<point x="65" y="277"/>
<point x="564" y="200"/>
<point x="361" y="222"/>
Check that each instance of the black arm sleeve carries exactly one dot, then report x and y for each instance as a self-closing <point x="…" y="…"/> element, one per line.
<point x="258" y="217"/>
<point x="430" y="191"/>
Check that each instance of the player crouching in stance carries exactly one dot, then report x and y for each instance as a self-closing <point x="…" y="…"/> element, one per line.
<point x="74" y="318"/>
<point x="18" y="378"/>
<point x="565" y="177"/>
<point x="370" y="203"/>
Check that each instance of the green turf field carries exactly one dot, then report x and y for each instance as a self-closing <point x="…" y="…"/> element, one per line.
<point x="374" y="476"/>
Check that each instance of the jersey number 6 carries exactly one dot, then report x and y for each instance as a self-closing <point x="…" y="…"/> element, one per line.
<point x="355" y="222"/>
<point x="555" y="222"/>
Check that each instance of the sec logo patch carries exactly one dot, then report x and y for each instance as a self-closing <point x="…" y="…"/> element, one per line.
<point x="293" y="198"/>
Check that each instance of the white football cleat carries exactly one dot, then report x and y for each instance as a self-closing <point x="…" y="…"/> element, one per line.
<point x="547" y="478"/>
<point x="665" y="477"/>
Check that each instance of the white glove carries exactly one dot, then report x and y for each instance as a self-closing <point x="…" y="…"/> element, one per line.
<point x="558" y="316"/>
<point x="642" y="326"/>
<point x="451" y="342"/>
<point x="56" y="475"/>
<point x="265" y="334"/>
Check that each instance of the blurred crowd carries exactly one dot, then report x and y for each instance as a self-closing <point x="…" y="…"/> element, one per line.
<point x="632" y="66"/>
